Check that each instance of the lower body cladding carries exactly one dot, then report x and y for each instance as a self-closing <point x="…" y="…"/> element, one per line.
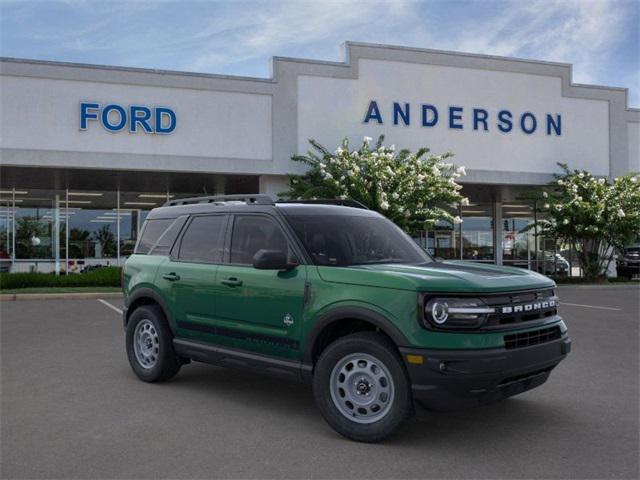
<point x="454" y="379"/>
<point x="229" y="357"/>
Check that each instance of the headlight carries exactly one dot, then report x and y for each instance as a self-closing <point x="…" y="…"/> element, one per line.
<point x="456" y="312"/>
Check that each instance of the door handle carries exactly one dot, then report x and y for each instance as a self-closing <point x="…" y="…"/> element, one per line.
<point x="232" y="282"/>
<point x="172" y="277"/>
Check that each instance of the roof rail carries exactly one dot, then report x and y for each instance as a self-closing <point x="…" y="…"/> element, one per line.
<point x="329" y="201"/>
<point x="256" y="199"/>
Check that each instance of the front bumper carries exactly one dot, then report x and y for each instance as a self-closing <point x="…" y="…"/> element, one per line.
<point x="453" y="379"/>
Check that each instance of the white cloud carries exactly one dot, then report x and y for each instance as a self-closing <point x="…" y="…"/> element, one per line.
<point x="230" y="37"/>
<point x="277" y="26"/>
<point x="581" y="32"/>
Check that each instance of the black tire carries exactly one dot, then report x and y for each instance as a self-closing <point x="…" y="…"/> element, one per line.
<point x="166" y="364"/>
<point x="382" y="349"/>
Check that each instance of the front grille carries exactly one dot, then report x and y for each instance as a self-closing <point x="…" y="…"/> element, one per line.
<point x="537" y="298"/>
<point x="535" y="337"/>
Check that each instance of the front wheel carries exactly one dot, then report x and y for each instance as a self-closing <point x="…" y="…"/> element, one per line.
<point x="361" y="387"/>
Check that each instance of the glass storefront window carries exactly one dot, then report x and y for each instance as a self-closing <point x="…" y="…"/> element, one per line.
<point x="37" y="225"/>
<point x="134" y="208"/>
<point x="444" y="241"/>
<point x="477" y="232"/>
<point x="6" y="233"/>
<point x="104" y="226"/>
<point x="74" y="230"/>
<point x="130" y="223"/>
<point x="470" y="240"/>
<point x="518" y="239"/>
<point x="92" y="229"/>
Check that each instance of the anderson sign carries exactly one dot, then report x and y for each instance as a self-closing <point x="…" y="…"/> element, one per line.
<point x="461" y="118"/>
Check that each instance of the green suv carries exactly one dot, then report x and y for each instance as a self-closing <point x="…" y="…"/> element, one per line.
<point x="335" y="295"/>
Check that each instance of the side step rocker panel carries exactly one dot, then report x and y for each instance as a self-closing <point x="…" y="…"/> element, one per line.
<point x="225" y="357"/>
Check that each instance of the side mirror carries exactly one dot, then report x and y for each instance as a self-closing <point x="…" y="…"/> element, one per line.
<point x="272" y="260"/>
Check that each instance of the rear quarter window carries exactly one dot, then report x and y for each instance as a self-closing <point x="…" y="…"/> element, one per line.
<point x="158" y="235"/>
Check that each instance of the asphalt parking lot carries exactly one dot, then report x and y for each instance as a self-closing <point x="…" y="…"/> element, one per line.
<point x="72" y="408"/>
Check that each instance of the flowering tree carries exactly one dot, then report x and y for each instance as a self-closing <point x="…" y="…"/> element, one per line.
<point x="408" y="188"/>
<point x="593" y="215"/>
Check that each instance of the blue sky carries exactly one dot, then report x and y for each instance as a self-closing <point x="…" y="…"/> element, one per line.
<point x="600" y="38"/>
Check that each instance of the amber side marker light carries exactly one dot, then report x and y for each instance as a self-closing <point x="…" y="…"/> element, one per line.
<point x="415" y="359"/>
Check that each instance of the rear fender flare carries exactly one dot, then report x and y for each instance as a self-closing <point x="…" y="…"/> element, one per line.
<point x="146" y="292"/>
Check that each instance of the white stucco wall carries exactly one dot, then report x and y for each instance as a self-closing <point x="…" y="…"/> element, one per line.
<point x="43" y="114"/>
<point x="236" y="125"/>
<point x="329" y="108"/>
<point x="272" y="185"/>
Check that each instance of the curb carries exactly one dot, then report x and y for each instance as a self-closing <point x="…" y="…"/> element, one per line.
<point x="59" y="296"/>
<point x="604" y="285"/>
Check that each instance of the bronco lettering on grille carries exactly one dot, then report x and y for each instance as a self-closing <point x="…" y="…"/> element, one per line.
<point x="529" y="307"/>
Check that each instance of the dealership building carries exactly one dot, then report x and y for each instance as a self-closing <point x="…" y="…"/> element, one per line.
<point x="88" y="150"/>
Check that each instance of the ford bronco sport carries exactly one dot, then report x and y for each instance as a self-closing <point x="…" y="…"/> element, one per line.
<point x="339" y="297"/>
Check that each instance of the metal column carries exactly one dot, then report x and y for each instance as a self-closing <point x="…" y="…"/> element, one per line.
<point x="13" y="228"/>
<point x="66" y="235"/>
<point x="498" y="232"/>
<point x="56" y="233"/>
<point x="118" y="227"/>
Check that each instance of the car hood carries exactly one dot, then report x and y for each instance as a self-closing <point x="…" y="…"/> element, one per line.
<point x="447" y="276"/>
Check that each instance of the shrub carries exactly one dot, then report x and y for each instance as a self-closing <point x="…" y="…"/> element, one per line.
<point x="101" y="277"/>
<point x="408" y="188"/>
<point x="593" y="215"/>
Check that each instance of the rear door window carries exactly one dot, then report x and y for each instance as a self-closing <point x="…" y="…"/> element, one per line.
<point x="203" y="241"/>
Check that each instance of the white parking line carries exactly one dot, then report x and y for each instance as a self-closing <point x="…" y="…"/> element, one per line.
<point x="590" y="306"/>
<point x="112" y="307"/>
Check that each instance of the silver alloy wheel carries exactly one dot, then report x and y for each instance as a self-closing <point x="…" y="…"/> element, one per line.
<point x="362" y="388"/>
<point x="146" y="344"/>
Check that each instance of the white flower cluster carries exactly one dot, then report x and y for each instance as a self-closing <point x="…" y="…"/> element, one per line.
<point x="592" y="213"/>
<point x="407" y="187"/>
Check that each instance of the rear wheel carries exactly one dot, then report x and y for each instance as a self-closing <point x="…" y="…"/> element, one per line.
<point x="361" y="387"/>
<point x="150" y="345"/>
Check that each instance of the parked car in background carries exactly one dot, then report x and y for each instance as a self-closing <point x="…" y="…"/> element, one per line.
<point x="554" y="264"/>
<point x="628" y="263"/>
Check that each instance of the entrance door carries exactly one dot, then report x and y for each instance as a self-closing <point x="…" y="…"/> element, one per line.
<point x="259" y="310"/>
<point x="518" y="240"/>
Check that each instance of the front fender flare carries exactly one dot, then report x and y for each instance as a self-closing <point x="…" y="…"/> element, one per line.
<point x="356" y="313"/>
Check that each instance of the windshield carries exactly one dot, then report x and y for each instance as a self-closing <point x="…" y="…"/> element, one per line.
<point x="344" y="240"/>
